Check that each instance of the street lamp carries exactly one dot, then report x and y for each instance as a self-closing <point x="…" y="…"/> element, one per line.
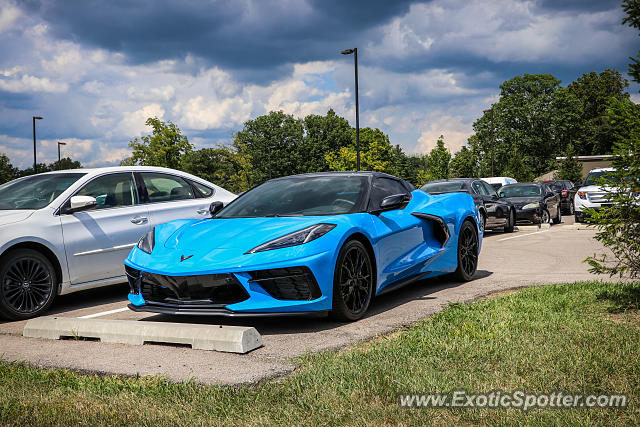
<point x="355" y="62"/>
<point x="34" y="141"/>
<point x="59" y="144"/>
<point x="490" y="110"/>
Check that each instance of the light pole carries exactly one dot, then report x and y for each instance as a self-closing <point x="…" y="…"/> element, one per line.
<point x="355" y="62"/>
<point x="59" y="144"/>
<point x="34" y="141"/>
<point x="490" y="110"/>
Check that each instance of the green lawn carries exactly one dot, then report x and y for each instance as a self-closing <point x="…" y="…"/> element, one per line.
<point x="581" y="337"/>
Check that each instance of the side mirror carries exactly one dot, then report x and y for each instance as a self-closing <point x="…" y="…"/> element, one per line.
<point x="215" y="207"/>
<point x="80" y="203"/>
<point x="393" y="202"/>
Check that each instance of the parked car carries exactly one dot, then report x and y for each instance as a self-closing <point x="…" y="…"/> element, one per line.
<point x="69" y="230"/>
<point x="495" y="212"/>
<point x="306" y="243"/>
<point x="498" y="181"/>
<point x="566" y="190"/>
<point x="591" y="194"/>
<point x="535" y="202"/>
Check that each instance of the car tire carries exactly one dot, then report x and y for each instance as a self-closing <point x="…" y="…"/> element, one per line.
<point x="571" y="209"/>
<point x="353" y="282"/>
<point x="28" y="283"/>
<point x="577" y="219"/>
<point x="546" y="218"/>
<point x="558" y="218"/>
<point x="483" y="218"/>
<point x="511" y="222"/>
<point x="467" y="252"/>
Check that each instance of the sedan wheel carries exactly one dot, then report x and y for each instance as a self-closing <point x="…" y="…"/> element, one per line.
<point x="354" y="282"/>
<point x="511" y="222"/>
<point x="545" y="217"/>
<point x="27" y="284"/>
<point x="467" y="253"/>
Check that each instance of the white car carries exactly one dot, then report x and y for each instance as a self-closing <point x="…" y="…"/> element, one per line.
<point x="69" y="230"/>
<point x="590" y="194"/>
<point x="499" y="181"/>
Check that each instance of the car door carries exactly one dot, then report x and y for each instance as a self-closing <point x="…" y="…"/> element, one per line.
<point x="169" y="197"/>
<point x="398" y="232"/>
<point x="551" y="200"/>
<point x="487" y="201"/>
<point x="97" y="241"/>
<point x="500" y="207"/>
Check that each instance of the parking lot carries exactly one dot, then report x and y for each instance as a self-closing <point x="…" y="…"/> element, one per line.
<point x="529" y="256"/>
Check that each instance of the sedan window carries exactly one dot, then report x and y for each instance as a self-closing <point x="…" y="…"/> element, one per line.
<point x="443" y="187"/>
<point x="113" y="190"/>
<point x="164" y="188"/>
<point x="521" y="191"/>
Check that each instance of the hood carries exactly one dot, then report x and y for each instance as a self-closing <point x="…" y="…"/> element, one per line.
<point x="12" y="216"/>
<point x="236" y="233"/>
<point x="596" y="189"/>
<point x="521" y="201"/>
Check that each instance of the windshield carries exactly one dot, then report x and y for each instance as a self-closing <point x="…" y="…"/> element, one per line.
<point x="443" y="187"/>
<point x="300" y="196"/>
<point x="521" y="191"/>
<point x="594" y="178"/>
<point x="35" y="192"/>
<point x="556" y="186"/>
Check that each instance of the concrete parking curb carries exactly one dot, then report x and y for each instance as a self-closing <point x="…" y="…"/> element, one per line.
<point x="231" y="339"/>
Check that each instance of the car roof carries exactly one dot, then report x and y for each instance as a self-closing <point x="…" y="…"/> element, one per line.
<point x="520" y="184"/>
<point x="603" y="170"/>
<point x="115" y="168"/>
<point x="341" y="173"/>
<point x="454" y="180"/>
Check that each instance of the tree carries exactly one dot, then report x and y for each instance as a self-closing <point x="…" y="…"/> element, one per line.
<point x="375" y="155"/>
<point x="463" y="164"/>
<point x="594" y="91"/>
<point x="64" y="164"/>
<point x="438" y="161"/>
<point x="7" y="171"/>
<point x="619" y="225"/>
<point x="221" y="165"/>
<point x="632" y="9"/>
<point x="163" y="147"/>
<point x="521" y="124"/>
<point x="273" y="142"/>
<point x="323" y="134"/>
<point x="570" y="167"/>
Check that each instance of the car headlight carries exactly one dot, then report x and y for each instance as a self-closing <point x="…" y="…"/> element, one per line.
<point x="296" y="238"/>
<point x="531" y="206"/>
<point x="582" y="195"/>
<point x="148" y="241"/>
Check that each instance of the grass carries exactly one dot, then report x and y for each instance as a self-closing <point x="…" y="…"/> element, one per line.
<point x="543" y="339"/>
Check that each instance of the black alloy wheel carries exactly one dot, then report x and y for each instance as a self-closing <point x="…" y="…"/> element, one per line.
<point x="27" y="284"/>
<point x="467" y="252"/>
<point x="354" y="281"/>
<point x="545" y="217"/>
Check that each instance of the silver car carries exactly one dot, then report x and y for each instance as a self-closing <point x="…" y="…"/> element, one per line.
<point x="70" y="230"/>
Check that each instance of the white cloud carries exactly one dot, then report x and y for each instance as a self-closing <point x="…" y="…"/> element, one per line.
<point x="454" y="130"/>
<point x="134" y="123"/>
<point x="9" y="15"/>
<point x="28" y="83"/>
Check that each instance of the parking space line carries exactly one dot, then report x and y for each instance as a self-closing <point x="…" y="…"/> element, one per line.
<point x="523" y="235"/>
<point x="104" y="313"/>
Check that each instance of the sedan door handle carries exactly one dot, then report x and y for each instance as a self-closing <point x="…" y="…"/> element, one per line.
<point x="139" y="220"/>
<point x="202" y="211"/>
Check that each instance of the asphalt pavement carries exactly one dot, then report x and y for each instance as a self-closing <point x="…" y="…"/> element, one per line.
<point x="529" y="256"/>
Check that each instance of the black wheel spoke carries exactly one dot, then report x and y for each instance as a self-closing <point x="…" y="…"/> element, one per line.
<point x="355" y="273"/>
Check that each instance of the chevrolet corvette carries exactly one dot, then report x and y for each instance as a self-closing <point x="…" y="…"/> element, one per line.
<point x="321" y="242"/>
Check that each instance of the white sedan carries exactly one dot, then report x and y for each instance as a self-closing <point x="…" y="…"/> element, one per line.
<point x="69" y="230"/>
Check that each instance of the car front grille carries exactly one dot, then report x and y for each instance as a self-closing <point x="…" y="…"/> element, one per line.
<point x="208" y="289"/>
<point x="598" y="197"/>
<point x="292" y="283"/>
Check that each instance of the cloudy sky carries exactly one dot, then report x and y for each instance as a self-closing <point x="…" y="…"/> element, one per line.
<point x="96" y="70"/>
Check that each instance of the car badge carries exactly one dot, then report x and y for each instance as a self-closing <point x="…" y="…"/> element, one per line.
<point x="182" y="257"/>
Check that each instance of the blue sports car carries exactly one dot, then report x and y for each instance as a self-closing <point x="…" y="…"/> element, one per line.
<point x="305" y="243"/>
